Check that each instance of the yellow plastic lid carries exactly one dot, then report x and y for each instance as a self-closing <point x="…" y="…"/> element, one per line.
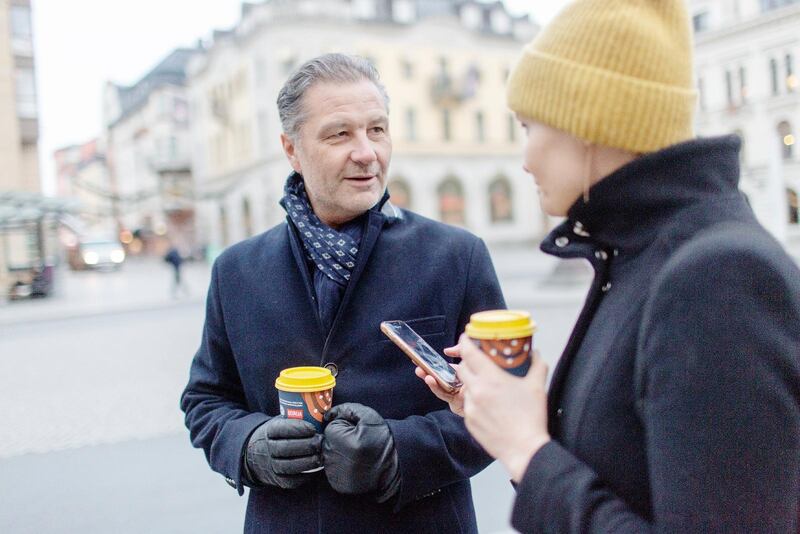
<point x="305" y="379"/>
<point x="500" y="324"/>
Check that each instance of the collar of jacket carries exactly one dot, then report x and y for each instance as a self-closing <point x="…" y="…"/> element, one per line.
<point x="627" y="209"/>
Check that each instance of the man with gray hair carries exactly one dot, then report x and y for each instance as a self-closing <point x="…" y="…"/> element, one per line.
<point x="313" y="291"/>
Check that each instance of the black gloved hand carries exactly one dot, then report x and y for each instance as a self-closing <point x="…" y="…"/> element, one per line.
<point x="359" y="453"/>
<point x="280" y="450"/>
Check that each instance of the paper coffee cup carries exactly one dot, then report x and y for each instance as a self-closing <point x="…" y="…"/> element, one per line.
<point x="305" y="393"/>
<point x="506" y="336"/>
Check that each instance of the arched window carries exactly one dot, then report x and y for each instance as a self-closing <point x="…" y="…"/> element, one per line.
<point x="786" y="138"/>
<point x="500" y="205"/>
<point x="794" y="215"/>
<point x="247" y="217"/>
<point x="400" y="193"/>
<point x="451" y="201"/>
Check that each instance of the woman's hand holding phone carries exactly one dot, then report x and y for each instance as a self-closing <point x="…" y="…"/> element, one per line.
<point x="456" y="399"/>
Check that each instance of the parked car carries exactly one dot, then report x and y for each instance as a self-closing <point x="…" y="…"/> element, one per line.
<point x="96" y="254"/>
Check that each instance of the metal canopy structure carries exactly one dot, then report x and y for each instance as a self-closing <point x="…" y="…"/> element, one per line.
<point x="18" y="208"/>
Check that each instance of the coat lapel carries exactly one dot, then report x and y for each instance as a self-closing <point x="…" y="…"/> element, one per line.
<point x="302" y="267"/>
<point x="373" y="228"/>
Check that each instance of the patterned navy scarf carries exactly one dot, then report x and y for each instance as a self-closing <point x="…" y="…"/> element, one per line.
<point x="333" y="252"/>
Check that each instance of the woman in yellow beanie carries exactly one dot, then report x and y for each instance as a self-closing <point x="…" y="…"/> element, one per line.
<point x="675" y="406"/>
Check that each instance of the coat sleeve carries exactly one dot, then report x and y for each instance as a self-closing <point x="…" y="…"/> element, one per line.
<point x="717" y="393"/>
<point x="214" y="404"/>
<point x="436" y="450"/>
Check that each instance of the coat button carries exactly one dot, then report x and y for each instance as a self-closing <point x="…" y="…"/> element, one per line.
<point x="560" y="412"/>
<point x="578" y="229"/>
<point x="562" y="241"/>
<point x="606" y="287"/>
<point x="601" y="255"/>
<point x="332" y="368"/>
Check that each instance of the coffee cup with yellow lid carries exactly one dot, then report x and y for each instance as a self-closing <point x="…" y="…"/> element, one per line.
<point x="506" y="336"/>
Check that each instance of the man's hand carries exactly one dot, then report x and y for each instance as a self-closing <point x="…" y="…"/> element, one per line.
<point x="359" y="453"/>
<point x="280" y="450"/>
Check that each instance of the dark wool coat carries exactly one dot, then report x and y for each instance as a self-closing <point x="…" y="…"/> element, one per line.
<point x="676" y="404"/>
<point x="261" y="317"/>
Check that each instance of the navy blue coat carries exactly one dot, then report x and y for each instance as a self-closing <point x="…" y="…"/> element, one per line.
<point x="261" y="317"/>
<point x="676" y="404"/>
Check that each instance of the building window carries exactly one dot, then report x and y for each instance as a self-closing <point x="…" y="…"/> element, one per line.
<point x="794" y="212"/>
<point x="411" y="124"/>
<point x="443" y="65"/>
<point x="729" y="87"/>
<point x="791" y="79"/>
<point x="773" y="72"/>
<point x="500" y="206"/>
<point x="700" y="21"/>
<point x="743" y="84"/>
<point x="262" y="122"/>
<point x="26" y="93"/>
<point x="247" y="217"/>
<point x="21" y="22"/>
<point x="451" y="201"/>
<point x="701" y="94"/>
<point x="288" y="63"/>
<point x="260" y="71"/>
<point x="768" y="5"/>
<point x="786" y="138"/>
<point x="407" y="68"/>
<point x="400" y="193"/>
<point x="446" y="127"/>
<point x="512" y="129"/>
<point x="480" y="130"/>
<point x="223" y="226"/>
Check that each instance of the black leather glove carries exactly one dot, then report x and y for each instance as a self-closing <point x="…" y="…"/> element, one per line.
<point x="359" y="453"/>
<point x="280" y="450"/>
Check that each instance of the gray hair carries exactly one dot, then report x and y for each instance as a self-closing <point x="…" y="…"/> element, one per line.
<point x="339" y="68"/>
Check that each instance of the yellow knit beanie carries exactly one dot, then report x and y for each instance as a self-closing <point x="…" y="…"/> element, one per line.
<point x="616" y="73"/>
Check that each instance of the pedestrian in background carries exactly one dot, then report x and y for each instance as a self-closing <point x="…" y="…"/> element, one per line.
<point x="174" y="258"/>
<point x="675" y="406"/>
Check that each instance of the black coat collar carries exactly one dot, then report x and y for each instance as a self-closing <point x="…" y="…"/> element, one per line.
<point x="627" y="209"/>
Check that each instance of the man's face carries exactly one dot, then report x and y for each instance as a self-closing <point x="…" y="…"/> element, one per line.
<point x="342" y="150"/>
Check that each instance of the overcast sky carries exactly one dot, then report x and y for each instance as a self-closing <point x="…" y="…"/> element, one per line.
<point x="82" y="43"/>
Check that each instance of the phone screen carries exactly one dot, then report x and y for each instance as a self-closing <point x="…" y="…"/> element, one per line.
<point x="420" y="347"/>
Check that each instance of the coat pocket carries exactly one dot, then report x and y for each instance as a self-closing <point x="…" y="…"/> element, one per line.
<point x="427" y="327"/>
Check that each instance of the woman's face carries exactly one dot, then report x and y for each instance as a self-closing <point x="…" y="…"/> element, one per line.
<point x="557" y="162"/>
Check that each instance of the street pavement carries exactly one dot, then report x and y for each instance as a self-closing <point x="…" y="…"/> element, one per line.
<point x="92" y="438"/>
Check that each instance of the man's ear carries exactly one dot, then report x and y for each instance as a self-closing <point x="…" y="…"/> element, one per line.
<point x="290" y="149"/>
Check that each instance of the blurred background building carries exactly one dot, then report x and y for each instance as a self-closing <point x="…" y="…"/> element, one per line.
<point x="192" y="151"/>
<point x="82" y="175"/>
<point x="444" y="63"/>
<point x="27" y="219"/>
<point x="747" y="55"/>
<point x="19" y="118"/>
<point x="147" y="136"/>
